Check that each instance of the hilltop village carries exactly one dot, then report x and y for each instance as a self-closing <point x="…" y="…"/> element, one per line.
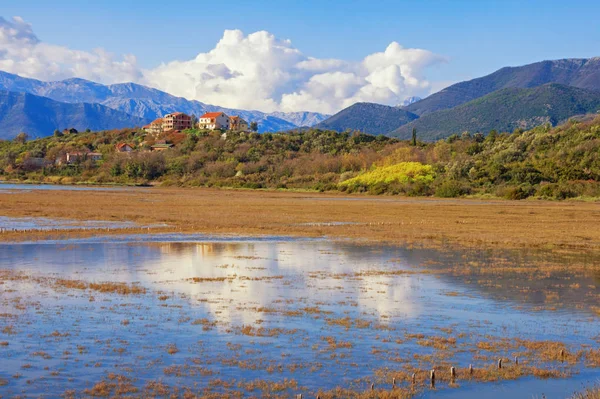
<point x="169" y="126"/>
<point x="178" y="121"/>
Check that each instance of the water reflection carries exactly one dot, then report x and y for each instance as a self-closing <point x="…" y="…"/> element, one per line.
<point x="258" y="274"/>
<point x="201" y="294"/>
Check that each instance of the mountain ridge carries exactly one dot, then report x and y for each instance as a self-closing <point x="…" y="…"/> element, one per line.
<point x="367" y="117"/>
<point x="583" y="73"/>
<point x="506" y="110"/>
<point x="146" y="102"/>
<point x="39" y="116"/>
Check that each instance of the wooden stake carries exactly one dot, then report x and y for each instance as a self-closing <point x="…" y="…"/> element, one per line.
<point x="470" y="369"/>
<point x="452" y="373"/>
<point x="432" y="377"/>
<point x="499" y="363"/>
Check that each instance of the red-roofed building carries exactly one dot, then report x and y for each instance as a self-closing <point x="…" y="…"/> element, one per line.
<point x="154" y="127"/>
<point x="213" y="121"/>
<point x="177" y="121"/>
<point x="237" y="123"/>
<point x="124" y="147"/>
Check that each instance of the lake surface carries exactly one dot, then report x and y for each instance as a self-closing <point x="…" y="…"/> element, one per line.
<point x="6" y="188"/>
<point x="44" y="224"/>
<point x="274" y="317"/>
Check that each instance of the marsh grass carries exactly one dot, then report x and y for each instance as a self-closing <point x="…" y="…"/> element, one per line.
<point x="590" y="393"/>
<point x="428" y="222"/>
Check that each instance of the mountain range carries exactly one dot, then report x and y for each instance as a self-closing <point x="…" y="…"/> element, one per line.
<point x="32" y="114"/>
<point x="506" y="110"/>
<point x="512" y="97"/>
<point x="135" y="100"/>
<point x="368" y="118"/>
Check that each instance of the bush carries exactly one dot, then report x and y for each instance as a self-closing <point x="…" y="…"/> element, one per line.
<point x="451" y="189"/>
<point x="518" y="193"/>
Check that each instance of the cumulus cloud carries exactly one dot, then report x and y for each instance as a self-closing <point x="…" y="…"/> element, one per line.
<point x="259" y="71"/>
<point x="23" y="53"/>
<point x="254" y="71"/>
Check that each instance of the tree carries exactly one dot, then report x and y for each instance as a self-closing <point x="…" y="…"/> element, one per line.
<point x="254" y="126"/>
<point x="414" y="137"/>
<point x="21" y="138"/>
<point x="88" y="130"/>
<point x="57" y="133"/>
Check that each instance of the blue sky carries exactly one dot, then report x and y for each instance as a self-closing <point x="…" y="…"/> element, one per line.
<point x="477" y="37"/>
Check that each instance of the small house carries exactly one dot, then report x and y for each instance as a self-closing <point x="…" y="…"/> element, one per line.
<point x="214" y="121"/>
<point x="237" y="123"/>
<point x="154" y="127"/>
<point x="124" y="147"/>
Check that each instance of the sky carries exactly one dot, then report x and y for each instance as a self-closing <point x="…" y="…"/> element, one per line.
<point x="282" y="55"/>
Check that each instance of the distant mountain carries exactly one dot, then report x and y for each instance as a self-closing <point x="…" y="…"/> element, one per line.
<point x="582" y="73"/>
<point x="368" y="118"/>
<point x="145" y="102"/>
<point x="40" y="116"/>
<point x="506" y="110"/>
<point x="409" y="100"/>
<point x="301" y="119"/>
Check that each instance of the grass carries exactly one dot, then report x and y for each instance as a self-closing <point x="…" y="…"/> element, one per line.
<point x="553" y="226"/>
<point x="590" y="393"/>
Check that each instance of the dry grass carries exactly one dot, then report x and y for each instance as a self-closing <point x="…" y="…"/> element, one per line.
<point x="591" y="393"/>
<point x="108" y="287"/>
<point x="568" y="226"/>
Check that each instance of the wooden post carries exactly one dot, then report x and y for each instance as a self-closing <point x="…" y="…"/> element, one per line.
<point x="470" y="369"/>
<point x="299" y="396"/>
<point x="414" y="378"/>
<point x="372" y="386"/>
<point x="516" y="360"/>
<point x="394" y="382"/>
<point x="452" y="373"/>
<point x="562" y="355"/>
<point x="432" y="378"/>
<point x="499" y="363"/>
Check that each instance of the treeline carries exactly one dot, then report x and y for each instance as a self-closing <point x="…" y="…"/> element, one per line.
<point x="559" y="163"/>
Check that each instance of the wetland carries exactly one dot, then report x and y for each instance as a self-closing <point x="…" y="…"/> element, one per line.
<point x="303" y="299"/>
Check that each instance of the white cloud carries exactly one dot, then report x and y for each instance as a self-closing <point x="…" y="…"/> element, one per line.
<point x="255" y="71"/>
<point x="22" y="52"/>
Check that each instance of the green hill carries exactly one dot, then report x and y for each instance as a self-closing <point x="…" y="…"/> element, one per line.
<point x="505" y="111"/>
<point x="581" y="73"/>
<point x="40" y="116"/>
<point x="546" y="162"/>
<point x="368" y="118"/>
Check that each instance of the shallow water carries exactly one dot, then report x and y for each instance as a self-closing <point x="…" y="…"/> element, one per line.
<point x="8" y="187"/>
<point x="44" y="224"/>
<point x="332" y="314"/>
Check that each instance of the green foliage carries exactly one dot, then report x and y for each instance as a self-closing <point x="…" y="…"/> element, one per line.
<point x="510" y="109"/>
<point x="380" y="177"/>
<point x="544" y="162"/>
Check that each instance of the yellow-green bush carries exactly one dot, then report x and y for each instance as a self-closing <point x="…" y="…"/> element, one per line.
<point x="404" y="173"/>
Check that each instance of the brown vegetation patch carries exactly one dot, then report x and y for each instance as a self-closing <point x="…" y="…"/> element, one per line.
<point x="539" y="224"/>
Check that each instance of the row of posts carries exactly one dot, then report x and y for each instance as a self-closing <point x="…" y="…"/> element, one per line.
<point x="432" y="375"/>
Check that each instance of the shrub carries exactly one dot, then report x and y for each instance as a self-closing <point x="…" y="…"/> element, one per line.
<point x="451" y="189"/>
<point x="404" y="172"/>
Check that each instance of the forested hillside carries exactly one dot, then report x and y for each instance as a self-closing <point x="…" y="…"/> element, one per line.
<point x="546" y="162"/>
